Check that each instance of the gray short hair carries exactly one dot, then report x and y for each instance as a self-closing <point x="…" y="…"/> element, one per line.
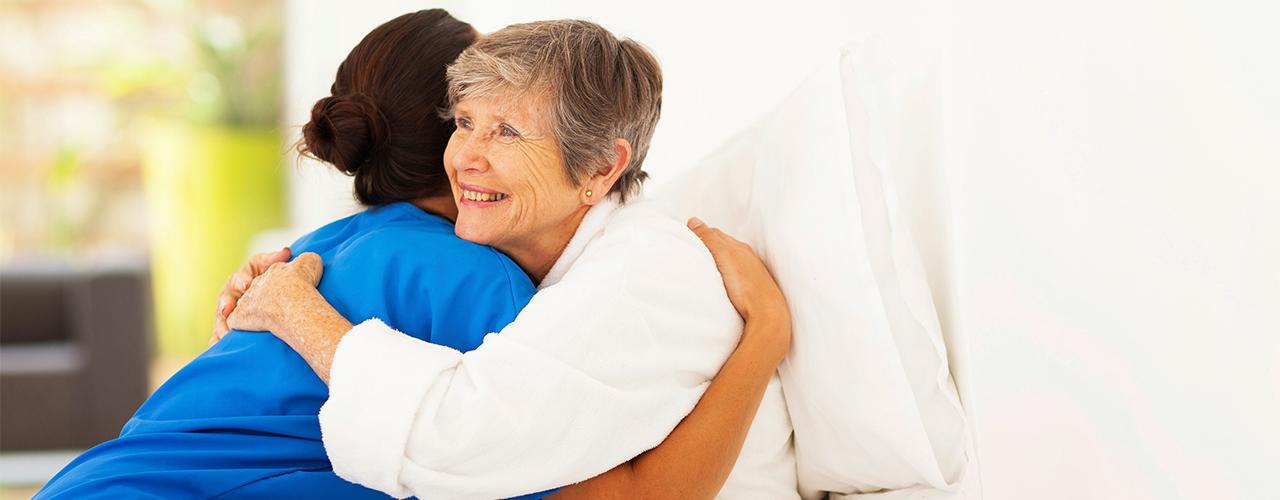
<point x="600" y="87"/>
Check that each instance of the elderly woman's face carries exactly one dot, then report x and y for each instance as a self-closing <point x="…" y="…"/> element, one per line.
<point x="509" y="181"/>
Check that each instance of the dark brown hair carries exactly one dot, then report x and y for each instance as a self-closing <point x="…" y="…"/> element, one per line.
<point x="382" y="123"/>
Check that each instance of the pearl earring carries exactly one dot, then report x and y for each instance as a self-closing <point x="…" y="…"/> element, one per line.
<point x="588" y="193"/>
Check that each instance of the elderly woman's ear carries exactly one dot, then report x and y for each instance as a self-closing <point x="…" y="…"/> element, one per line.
<point x="596" y="188"/>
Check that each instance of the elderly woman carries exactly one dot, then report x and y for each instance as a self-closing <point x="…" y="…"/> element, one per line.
<point x="630" y="323"/>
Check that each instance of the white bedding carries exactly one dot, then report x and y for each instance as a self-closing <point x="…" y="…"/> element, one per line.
<point x="867" y="382"/>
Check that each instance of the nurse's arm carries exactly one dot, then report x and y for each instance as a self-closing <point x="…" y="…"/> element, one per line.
<point x="695" y="460"/>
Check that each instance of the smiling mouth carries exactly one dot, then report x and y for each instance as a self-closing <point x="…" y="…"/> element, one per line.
<point x="468" y="194"/>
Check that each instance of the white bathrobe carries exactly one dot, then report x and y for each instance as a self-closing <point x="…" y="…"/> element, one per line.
<point x="619" y="343"/>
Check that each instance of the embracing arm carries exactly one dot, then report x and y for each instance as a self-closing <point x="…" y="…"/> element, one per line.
<point x="693" y="462"/>
<point x="696" y="458"/>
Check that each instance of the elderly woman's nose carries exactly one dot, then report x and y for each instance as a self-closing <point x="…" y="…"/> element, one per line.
<point x="471" y="155"/>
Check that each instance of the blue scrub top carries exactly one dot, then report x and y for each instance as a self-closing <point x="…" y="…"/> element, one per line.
<point x="240" y="421"/>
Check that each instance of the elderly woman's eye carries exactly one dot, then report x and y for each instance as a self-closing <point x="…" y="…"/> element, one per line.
<point x="508" y="132"/>
<point x="462" y="123"/>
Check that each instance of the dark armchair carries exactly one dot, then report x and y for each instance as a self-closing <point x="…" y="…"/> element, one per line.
<point x="74" y="355"/>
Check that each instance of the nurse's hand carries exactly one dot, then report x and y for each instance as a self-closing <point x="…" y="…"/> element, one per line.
<point x="694" y="461"/>
<point x="751" y="288"/>
<point x="238" y="283"/>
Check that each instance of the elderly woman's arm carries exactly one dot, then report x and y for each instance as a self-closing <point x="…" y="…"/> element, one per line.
<point x="598" y="359"/>
<point x="695" y="460"/>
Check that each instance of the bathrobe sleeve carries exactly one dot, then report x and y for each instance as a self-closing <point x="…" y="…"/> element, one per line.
<point x="598" y="368"/>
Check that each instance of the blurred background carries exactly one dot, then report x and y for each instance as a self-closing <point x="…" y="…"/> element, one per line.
<point x="140" y="152"/>
<point x="1105" y="174"/>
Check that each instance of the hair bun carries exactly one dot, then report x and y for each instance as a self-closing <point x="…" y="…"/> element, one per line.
<point x="345" y="131"/>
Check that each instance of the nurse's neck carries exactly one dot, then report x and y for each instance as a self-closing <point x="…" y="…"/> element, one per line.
<point x="439" y="206"/>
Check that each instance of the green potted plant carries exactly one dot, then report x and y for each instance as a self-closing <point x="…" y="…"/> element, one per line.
<point x="212" y="172"/>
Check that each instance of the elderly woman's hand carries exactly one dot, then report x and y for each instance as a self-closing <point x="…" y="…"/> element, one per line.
<point x="271" y="294"/>
<point x="751" y="288"/>
<point x="284" y="301"/>
<point x="238" y="283"/>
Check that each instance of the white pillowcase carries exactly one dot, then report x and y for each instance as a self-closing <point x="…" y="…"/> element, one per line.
<point x="866" y="381"/>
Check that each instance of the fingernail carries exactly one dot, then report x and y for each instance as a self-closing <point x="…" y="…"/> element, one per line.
<point x="244" y="287"/>
<point x="223" y="310"/>
<point x="695" y="223"/>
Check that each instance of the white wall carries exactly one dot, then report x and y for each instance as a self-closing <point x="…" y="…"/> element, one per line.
<point x="724" y="65"/>
<point x="318" y="36"/>
<point x="1118" y="238"/>
<point x="1109" y="168"/>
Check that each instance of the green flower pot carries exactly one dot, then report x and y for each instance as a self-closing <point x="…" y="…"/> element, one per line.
<point x="209" y="190"/>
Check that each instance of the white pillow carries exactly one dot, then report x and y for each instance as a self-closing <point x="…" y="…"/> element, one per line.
<point x="866" y="381"/>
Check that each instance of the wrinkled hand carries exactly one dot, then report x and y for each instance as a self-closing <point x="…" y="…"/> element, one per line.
<point x="266" y="303"/>
<point x="751" y="288"/>
<point x="236" y="286"/>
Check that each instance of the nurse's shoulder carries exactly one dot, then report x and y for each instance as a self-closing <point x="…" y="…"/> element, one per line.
<point x="426" y="278"/>
<point x="404" y="236"/>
